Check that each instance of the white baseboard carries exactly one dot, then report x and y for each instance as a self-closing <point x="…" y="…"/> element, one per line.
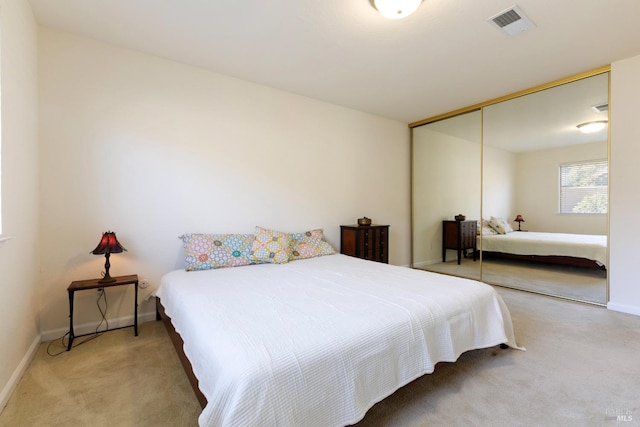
<point x="89" y="328"/>
<point x="8" y="389"/>
<point x="425" y="263"/>
<point x="629" y="309"/>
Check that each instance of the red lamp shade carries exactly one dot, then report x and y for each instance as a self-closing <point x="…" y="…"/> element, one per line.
<point x="108" y="245"/>
<point x="519" y="219"/>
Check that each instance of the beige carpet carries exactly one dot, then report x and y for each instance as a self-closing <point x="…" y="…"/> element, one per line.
<point x="116" y="379"/>
<point x="581" y="368"/>
<point x="582" y="284"/>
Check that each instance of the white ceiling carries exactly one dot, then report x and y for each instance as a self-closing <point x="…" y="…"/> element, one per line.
<point x="443" y="57"/>
<point x="538" y="121"/>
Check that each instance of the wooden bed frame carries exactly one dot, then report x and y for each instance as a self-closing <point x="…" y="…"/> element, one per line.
<point x="549" y="259"/>
<point x="178" y="344"/>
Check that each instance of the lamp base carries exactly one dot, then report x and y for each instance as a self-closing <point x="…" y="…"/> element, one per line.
<point x="107" y="277"/>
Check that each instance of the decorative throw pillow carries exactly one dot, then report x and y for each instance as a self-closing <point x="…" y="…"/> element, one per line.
<point x="271" y="246"/>
<point x="486" y="230"/>
<point x="207" y="251"/>
<point x="309" y="244"/>
<point x="500" y="225"/>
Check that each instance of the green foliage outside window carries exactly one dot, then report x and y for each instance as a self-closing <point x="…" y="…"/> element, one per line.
<point x="584" y="187"/>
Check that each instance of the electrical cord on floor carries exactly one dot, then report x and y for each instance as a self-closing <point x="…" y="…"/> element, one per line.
<point x="104" y="320"/>
<point x="96" y="334"/>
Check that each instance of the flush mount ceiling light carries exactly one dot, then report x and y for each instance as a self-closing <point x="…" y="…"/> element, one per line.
<point x="396" y="9"/>
<point x="592" y="127"/>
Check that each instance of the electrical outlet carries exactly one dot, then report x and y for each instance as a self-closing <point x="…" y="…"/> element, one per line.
<point x="143" y="283"/>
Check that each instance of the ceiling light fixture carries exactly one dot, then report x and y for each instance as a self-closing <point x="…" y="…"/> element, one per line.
<point x="592" y="127"/>
<point x="396" y="9"/>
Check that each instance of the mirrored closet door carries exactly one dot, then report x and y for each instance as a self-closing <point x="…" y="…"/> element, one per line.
<point x="446" y="175"/>
<point x="520" y="157"/>
<point x="538" y="165"/>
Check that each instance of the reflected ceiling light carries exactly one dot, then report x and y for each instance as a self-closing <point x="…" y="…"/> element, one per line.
<point x="396" y="9"/>
<point x="592" y="127"/>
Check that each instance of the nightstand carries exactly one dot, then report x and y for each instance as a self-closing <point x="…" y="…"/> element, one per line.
<point x="82" y="285"/>
<point x="365" y="241"/>
<point x="459" y="235"/>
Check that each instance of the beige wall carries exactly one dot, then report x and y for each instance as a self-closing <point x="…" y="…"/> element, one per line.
<point x="624" y="283"/>
<point x="151" y="149"/>
<point x="499" y="185"/>
<point x="19" y="264"/>
<point x="536" y="173"/>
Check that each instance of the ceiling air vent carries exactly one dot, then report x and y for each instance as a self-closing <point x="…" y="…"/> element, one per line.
<point x="601" y="108"/>
<point x="511" y="21"/>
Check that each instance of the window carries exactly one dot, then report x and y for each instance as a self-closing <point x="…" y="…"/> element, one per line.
<point x="584" y="187"/>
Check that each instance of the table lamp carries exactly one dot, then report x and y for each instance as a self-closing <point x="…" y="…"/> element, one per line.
<point x="108" y="245"/>
<point x="519" y="219"/>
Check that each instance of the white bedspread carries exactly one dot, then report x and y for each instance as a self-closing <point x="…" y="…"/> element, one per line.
<point x="317" y="342"/>
<point x="592" y="247"/>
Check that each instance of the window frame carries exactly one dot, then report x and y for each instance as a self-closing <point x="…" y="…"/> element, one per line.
<point x="562" y="166"/>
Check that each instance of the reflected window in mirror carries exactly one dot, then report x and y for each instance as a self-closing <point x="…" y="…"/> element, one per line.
<point x="584" y="187"/>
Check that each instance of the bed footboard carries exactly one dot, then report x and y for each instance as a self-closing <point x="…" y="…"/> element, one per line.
<point x="176" y="339"/>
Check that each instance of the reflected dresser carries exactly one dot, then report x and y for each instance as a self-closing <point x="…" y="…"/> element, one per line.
<point x="460" y="236"/>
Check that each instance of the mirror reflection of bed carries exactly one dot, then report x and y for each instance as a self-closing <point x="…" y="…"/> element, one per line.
<point x="535" y="163"/>
<point x="570" y="265"/>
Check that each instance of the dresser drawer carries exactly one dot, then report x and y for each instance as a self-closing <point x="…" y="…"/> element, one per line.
<point x="367" y="242"/>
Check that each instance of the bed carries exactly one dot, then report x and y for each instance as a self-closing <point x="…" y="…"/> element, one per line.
<point x="318" y="341"/>
<point x="581" y="250"/>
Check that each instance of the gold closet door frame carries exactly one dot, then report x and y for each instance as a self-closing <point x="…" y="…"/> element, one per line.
<point x="518" y="94"/>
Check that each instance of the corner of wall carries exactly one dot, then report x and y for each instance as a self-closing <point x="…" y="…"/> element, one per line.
<point x="11" y="385"/>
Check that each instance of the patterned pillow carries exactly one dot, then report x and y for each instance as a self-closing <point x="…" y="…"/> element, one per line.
<point x="500" y="225"/>
<point x="208" y="251"/>
<point x="309" y="244"/>
<point x="271" y="246"/>
<point x="486" y="230"/>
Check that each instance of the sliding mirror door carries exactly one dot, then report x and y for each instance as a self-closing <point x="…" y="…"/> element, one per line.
<point x="539" y="167"/>
<point x="446" y="162"/>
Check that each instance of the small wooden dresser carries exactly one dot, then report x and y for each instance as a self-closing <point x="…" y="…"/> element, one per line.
<point x="459" y="235"/>
<point x="365" y="241"/>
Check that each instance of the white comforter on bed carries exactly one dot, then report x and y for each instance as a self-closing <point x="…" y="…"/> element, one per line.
<point x="593" y="247"/>
<point x="317" y="342"/>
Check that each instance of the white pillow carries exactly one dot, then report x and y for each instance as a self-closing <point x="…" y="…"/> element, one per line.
<point x="485" y="229"/>
<point x="500" y="225"/>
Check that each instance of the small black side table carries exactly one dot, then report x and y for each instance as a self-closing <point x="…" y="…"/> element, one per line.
<point x="82" y="285"/>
